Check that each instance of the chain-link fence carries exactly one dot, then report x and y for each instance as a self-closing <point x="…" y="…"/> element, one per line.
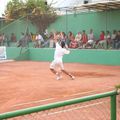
<point x="97" y="109"/>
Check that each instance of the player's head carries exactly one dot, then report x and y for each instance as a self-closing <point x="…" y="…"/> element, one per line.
<point x="62" y="44"/>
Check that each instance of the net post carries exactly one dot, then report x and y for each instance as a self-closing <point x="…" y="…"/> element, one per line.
<point x="113" y="107"/>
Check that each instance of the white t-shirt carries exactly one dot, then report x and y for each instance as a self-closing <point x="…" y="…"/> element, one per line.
<point x="39" y="37"/>
<point x="59" y="52"/>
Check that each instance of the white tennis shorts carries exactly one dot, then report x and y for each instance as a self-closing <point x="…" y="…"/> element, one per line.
<point x="57" y="63"/>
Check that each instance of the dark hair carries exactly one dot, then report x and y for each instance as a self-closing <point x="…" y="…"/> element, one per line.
<point x="62" y="44"/>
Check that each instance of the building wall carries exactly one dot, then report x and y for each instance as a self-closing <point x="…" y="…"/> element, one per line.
<point x="98" y="21"/>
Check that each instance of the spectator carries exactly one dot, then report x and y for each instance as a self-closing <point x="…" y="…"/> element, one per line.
<point x="113" y="39"/>
<point x="39" y="40"/>
<point x="84" y="38"/>
<point x="51" y="40"/>
<point x="73" y="44"/>
<point x="1" y="38"/>
<point x="70" y="38"/>
<point x="63" y="38"/>
<point x="102" y="40"/>
<point x="91" y="39"/>
<point x="78" y="38"/>
<point x="108" y="39"/>
<point x="72" y="41"/>
<point x="13" y="37"/>
<point x="118" y="40"/>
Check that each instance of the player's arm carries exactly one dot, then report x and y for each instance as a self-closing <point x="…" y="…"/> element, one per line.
<point x="66" y="51"/>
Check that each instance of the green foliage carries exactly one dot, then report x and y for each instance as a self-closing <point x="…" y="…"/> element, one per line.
<point x="36" y="11"/>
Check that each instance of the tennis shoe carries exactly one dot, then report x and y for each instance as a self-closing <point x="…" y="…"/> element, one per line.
<point x="72" y="77"/>
<point x="59" y="77"/>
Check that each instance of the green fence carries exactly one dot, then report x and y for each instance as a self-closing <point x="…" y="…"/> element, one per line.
<point x="95" y="107"/>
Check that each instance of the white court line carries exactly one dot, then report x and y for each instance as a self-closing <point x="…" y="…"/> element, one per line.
<point x="75" y="108"/>
<point x="56" y="98"/>
<point x="4" y="61"/>
<point x="88" y="92"/>
<point x="33" y="102"/>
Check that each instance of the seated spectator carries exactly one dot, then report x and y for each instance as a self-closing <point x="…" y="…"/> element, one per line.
<point x="113" y="39"/>
<point x="78" y="38"/>
<point x="1" y="38"/>
<point x="39" y="40"/>
<point x="70" y="38"/>
<point x="118" y="40"/>
<point x="108" y="39"/>
<point x="73" y="44"/>
<point x="13" y="37"/>
<point x="84" y="38"/>
<point x="33" y="36"/>
<point x="63" y="37"/>
<point x="91" y="39"/>
<point x="102" y="40"/>
<point x="51" y="40"/>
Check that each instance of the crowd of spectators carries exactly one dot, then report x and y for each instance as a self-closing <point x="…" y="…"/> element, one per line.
<point x="81" y="40"/>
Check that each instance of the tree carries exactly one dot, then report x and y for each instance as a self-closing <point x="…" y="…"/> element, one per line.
<point x="37" y="11"/>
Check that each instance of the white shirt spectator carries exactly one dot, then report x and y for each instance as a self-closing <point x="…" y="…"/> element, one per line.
<point x="39" y="38"/>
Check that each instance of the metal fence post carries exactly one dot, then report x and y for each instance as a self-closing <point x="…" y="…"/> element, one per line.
<point x="113" y="107"/>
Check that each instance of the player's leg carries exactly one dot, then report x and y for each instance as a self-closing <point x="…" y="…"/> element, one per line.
<point x="52" y="68"/>
<point x="70" y="75"/>
<point x="65" y="72"/>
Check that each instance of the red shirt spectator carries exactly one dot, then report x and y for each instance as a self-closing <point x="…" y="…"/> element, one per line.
<point x="84" y="37"/>
<point x="102" y="35"/>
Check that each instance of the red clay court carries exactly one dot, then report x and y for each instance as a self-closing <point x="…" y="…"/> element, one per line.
<point x="25" y="84"/>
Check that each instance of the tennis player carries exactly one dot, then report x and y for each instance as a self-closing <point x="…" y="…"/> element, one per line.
<point x="60" y="50"/>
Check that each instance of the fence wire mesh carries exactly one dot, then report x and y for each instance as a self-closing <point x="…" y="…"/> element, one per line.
<point x="92" y="110"/>
<point x="98" y="109"/>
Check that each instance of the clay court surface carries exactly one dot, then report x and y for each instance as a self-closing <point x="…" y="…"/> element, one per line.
<point x="26" y="83"/>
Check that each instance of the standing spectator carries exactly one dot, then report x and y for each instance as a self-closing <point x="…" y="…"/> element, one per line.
<point x="13" y="37"/>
